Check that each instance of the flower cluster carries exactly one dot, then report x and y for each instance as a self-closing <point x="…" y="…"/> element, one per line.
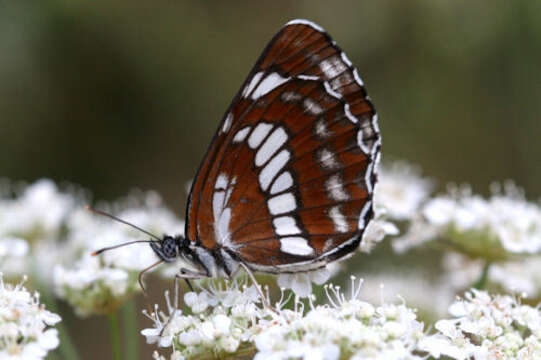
<point x="485" y="327"/>
<point x="494" y="229"/>
<point x="31" y="225"/>
<point x="12" y="248"/>
<point x="99" y="284"/>
<point x="25" y="325"/>
<point x="401" y="190"/>
<point x="231" y="320"/>
<point x="47" y="232"/>
<point x="523" y="277"/>
<point x="221" y="319"/>
<point x="347" y="328"/>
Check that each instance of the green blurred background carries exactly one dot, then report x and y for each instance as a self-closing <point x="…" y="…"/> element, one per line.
<point x="113" y="95"/>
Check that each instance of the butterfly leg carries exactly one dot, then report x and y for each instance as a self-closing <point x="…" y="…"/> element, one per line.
<point x="184" y="274"/>
<point x="264" y="299"/>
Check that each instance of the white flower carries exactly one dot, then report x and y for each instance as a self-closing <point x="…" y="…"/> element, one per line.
<point x="25" y="325"/>
<point x="99" y="284"/>
<point x="490" y="228"/>
<point x="35" y="215"/>
<point x="301" y="282"/>
<point x="12" y="247"/>
<point x="91" y="288"/>
<point x="460" y="272"/>
<point x="346" y="328"/>
<point x="38" y="211"/>
<point x="401" y="190"/>
<point x="375" y="232"/>
<point x="487" y="327"/>
<point x="431" y="297"/>
<point x="522" y="277"/>
<point x="219" y="326"/>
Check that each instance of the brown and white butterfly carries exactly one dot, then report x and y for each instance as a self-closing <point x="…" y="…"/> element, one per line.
<point x="287" y="183"/>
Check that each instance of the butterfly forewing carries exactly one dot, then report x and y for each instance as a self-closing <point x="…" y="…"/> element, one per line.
<point x="287" y="182"/>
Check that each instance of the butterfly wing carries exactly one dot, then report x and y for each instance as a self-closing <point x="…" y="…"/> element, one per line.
<point x="288" y="179"/>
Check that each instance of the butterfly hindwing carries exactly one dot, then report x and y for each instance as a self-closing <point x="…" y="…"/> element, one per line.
<point x="288" y="179"/>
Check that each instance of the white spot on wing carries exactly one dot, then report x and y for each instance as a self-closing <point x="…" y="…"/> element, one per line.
<point x="328" y="244"/>
<point x="270" y="146"/>
<point x="349" y="115"/>
<point x="221" y="182"/>
<point x="340" y="223"/>
<point x="290" y="96"/>
<point x="345" y="58"/>
<point x="309" y="77"/>
<point x="295" y="246"/>
<point x="223" y="227"/>
<point x="282" y="182"/>
<point x="321" y="129"/>
<point x="305" y="22"/>
<point x="227" y="123"/>
<point x="241" y="134"/>
<point x="259" y="133"/>
<point x="255" y="80"/>
<point x="357" y="77"/>
<point x="269" y="83"/>
<point x="361" y="143"/>
<point x="286" y="225"/>
<point x="364" y="211"/>
<point x="222" y="214"/>
<point x="375" y="122"/>
<point x="217" y="203"/>
<point x="272" y="168"/>
<point x="328" y="159"/>
<point x="282" y="204"/>
<point x="332" y="67"/>
<point x="335" y="188"/>
<point x="368" y="177"/>
<point x="330" y="91"/>
<point x="312" y="107"/>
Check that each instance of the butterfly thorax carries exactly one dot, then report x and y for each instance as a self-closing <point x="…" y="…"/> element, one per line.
<point x="217" y="262"/>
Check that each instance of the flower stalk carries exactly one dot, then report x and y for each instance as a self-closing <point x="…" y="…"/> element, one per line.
<point x="115" y="336"/>
<point x="129" y="325"/>
<point x="483" y="279"/>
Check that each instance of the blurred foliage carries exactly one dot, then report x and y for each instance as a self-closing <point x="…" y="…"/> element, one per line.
<point x="113" y="94"/>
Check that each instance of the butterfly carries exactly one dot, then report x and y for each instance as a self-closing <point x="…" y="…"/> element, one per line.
<point x="287" y="182"/>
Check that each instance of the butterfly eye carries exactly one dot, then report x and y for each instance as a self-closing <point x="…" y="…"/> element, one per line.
<point x="169" y="248"/>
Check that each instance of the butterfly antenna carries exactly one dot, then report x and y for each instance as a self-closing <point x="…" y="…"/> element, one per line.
<point x="99" y="212"/>
<point x="97" y="252"/>
<point x="140" y="277"/>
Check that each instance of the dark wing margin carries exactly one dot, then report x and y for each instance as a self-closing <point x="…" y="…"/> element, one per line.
<point x="288" y="179"/>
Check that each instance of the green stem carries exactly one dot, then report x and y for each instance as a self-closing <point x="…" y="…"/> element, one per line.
<point x="483" y="279"/>
<point x="129" y="323"/>
<point x="66" y="348"/>
<point x="115" y="336"/>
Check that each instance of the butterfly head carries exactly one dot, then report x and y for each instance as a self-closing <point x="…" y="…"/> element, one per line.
<point x="168" y="248"/>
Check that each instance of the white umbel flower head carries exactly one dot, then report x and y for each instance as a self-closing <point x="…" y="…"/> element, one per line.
<point x="12" y="247"/>
<point x="521" y="277"/>
<point x="301" y="282"/>
<point x="487" y="327"/>
<point x="31" y="222"/>
<point x="234" y="322"/>
<point x="99" y="284"/>
<point x="25" y="325"/>
<point x="37" y="213"/>
<point x="494" y="229"/>
<point x="401" y="190"/>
